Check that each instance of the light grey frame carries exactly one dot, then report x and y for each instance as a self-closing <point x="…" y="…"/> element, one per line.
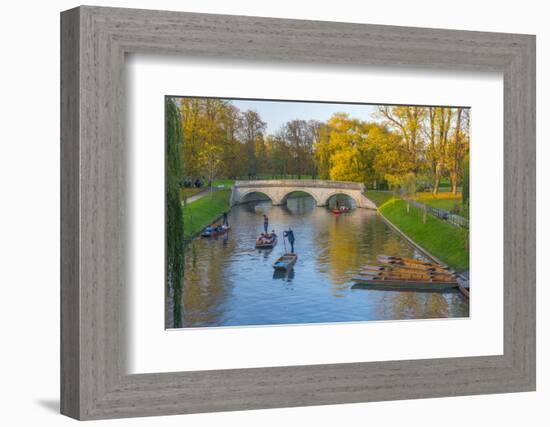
<point x="94" y="41"/>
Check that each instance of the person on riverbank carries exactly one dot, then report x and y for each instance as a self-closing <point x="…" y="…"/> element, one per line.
<point x="266" y="223"/>
<point x="289" y="234"/>
<point x="225" y="221"/>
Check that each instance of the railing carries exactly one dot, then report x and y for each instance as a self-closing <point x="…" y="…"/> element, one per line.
<point x="453" y="219"/>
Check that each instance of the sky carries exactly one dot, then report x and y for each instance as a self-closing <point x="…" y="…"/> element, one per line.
<point x="277" y="113"/>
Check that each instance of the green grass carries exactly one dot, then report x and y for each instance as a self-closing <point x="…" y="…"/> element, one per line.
<point x="444" y="241"/>
<point x="198" y="214"/>
<point x="446" y="201"/>
<point x="227" y="183"/>
<point x="188" y="192"/>
<point x="379" y="197"/>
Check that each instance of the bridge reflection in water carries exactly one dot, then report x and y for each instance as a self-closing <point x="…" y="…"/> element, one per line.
<point x="229" y="283"/>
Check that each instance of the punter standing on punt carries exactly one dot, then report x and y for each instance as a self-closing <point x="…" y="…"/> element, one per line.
<point x="290" y="236"/>
<point x="266" y="223"/>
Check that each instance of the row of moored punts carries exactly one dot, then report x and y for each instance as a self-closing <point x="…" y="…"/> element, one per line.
<point x="397" y="273"/>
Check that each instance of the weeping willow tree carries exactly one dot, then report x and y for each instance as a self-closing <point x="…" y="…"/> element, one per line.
<point x="174" y="212"/>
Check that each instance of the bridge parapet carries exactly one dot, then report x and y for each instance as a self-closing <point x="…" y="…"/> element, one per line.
<point x="300" y="183"/>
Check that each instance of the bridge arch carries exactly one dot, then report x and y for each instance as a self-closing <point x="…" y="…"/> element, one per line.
<point x="245" y="196"/>
<point x="344" y="193"/>
<point x="301" y="190"/>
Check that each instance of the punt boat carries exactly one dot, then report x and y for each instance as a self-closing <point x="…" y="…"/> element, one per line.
<point x="285" y="262"/>
<point x="262" y="243"/>
<point x="396" y="283"/>
<point x="215" y="232"/>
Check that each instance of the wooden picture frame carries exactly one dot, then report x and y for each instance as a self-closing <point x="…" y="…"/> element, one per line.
<point x="94" y="382"/>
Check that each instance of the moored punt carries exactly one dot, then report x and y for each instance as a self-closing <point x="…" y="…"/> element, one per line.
<point x="401" y="259"/>
<point x="408" y="269"/>
<point x="215" y="232"/>
<point x="410" y="263"/>
<point x="409" y="275"/>
<point x="285" y="262"/>
<point x="406" y="272"/>
<point x="464" y="291"/>
<point x="392" y="283"/>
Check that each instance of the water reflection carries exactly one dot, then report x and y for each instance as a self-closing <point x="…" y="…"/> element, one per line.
<point x="228" y="282"/>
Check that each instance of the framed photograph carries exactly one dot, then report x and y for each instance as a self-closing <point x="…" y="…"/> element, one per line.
<point x="345" y="212"/>
<point x="284" y="207"/>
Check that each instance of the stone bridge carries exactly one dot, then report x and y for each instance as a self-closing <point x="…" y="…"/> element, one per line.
<point x="321" y="191"/>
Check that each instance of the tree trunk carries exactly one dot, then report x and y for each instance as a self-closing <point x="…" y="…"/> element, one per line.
<point x="454" y="182"/>
<point x="437" y="180"/>
<point x="457" y="153"/>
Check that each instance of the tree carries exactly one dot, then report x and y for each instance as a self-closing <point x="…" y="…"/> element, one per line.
<point x="190" y="110"/>
<point x="404" y="186"/>
<point x="458" y="148"/>
<point x="232" y="149"/>
<point x="407" y="121"/>
<point x="252" y="128"/>
<point x="174" y="213"/>
<point x="279" y="154"/>
<point x="314" y="128"/>
<point x="322" y="152"/>
<point x="443" y="120"/>
<point x="466" y="184"/>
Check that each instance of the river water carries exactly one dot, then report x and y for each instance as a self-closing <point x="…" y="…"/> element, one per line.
<point x="230" y="283"/>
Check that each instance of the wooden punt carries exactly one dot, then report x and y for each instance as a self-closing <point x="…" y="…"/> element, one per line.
<point x="341" y="210"/>
<point x="409" y="273"/>
<point x="401" y="259"/>
<point x="285" y="262"/>
<point x="410" y="276"/>
<point x="408" y="269"/>
<point x="392" y="283"/>
<point x="263" y="244"/>
<point x="410" y="263"/>
<point x="464" y="291"/>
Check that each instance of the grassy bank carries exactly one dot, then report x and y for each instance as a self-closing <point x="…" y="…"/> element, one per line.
<point x="446" y="201"/>
<point x="188" y="192"/>
<point x="444" y="241"/>
<point x="202" y="212"/>
<point x="379" y="197"/>
<point x="227" y="183"/>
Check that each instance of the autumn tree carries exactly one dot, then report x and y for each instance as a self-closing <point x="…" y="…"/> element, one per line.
<point x="301" y="136"/>
<point x="231" y="164"/>
<point x="427" y="143"/>
<point x="190" y="110"/>
<point x="322" y="152"/>
<point x="458" y="148"/>
<point x="407" y="122"/>
<point x="253" y="128"/>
